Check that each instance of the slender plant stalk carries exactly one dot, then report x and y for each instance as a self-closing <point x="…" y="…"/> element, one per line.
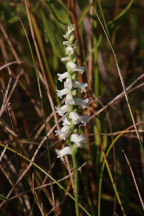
<point x="122" y="13"/>
<point x="101" y="178"/>
<point x="103" y="17"/>
<point x="74" y="152"/>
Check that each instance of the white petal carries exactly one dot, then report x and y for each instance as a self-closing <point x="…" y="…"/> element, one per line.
<point x="62" y="110"/>
<point x="79" y="140"/>
<point x="70" y="29"/>
<point x="69" y="50"/>
<point x="69" y="100"/>
<point x="68" y="83"/>
<point x="66" y="122"/>
<point x="82" y="103"/>
<point x="65" y="151"/>
<point x="65" y="59"/>
<point x="81" y="86"/>
<point x="72" y="66"/>
<point x="62" y="92"/>
<point x="63" y="133"/>
<point x="76" y="118"/>
<point x="66" y="43"/>
<point x="71" y="38"/>
<point x="63" y="76"/>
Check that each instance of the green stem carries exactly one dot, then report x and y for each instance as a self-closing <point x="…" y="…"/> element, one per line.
<point x="74" y="151"/>
<point x="101" y="178"/>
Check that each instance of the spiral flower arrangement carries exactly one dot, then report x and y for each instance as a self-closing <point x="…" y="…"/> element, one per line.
<point x="72" y="89"/>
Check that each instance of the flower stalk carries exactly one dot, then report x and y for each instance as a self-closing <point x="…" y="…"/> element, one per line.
<point x="73" y="104"/>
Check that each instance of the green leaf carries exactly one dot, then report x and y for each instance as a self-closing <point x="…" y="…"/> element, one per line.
<point x="54" y="36"/>
<point x="120" y="17"/>
<point x="60" y="12"/>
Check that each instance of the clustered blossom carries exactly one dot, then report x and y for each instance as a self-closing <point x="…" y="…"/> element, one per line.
<point x="71" y="91"/>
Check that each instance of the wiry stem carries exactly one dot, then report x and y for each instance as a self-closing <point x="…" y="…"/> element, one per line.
<point x="74" y="151"/>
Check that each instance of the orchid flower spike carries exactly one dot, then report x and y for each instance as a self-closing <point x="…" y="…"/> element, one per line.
<point x="65" y="151"/>
<point x="73" y="104"/>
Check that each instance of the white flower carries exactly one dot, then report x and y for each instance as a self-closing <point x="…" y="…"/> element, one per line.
<point x="82" y="103"/>
<point x="72" y="66"/>
<point x="63" y="76"/>
<point x="71" y="38"/>
<point x="69" y="100"/>
<point x="65" y="59"/>
<point x="65" y="151"/>
<point x="62" y="110"/>
<point x="76" y="118"/>
<point x="62" y="92"/>
<point x="69" y="31"/>
<point x="66" y="43"/>
<point x="63" y="133"/>
<point x="69" y="50"/>
<point x="68" y="83"/>
<point x="66" y="122"/>
<point x="81" y="86"/>
<point x="79" y="140"/>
